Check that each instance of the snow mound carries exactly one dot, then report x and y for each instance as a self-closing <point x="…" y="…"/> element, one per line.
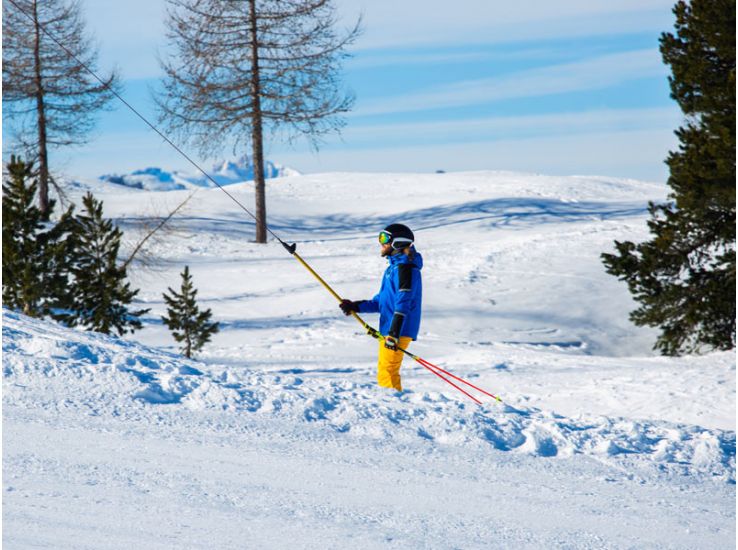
<point x="50" y="367"/>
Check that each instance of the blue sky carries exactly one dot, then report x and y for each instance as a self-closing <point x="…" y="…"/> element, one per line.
<point x="568" y="87"/>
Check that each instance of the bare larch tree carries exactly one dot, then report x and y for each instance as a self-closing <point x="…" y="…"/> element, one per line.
<point x="240" y="68"/>
<point x="49" y="98"/>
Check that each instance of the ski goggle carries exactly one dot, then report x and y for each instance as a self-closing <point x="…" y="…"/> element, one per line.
<point x="385" y="237"/>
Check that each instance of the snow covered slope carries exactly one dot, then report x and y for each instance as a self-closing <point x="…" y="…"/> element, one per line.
<point x="279" y="437"/>
<point x="45" y="363"/>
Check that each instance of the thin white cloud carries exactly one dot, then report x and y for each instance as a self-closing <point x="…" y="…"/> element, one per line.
<point x="131" y="32"/>
<point x="391" y="23"/>
<point x="590" y="74"/>
<point x="384" y="59"/>
<point x="633" y="154"/>
<point x="476" y="52"/>
<point x="502" y="127"/>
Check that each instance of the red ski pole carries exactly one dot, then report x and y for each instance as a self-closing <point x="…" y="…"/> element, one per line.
<point x="426" y="363"/>
<point x="430" y="368"/>
<point x="435" y="369"/>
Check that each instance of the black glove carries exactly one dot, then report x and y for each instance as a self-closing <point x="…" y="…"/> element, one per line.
<point x="392" y="339"/>
<point x="348" y="307"/>
<point x="390" y="342"/>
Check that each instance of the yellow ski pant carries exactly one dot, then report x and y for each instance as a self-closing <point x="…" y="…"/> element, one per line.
<point x="388" y="369"/>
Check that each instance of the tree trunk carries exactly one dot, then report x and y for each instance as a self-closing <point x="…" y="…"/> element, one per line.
<point x="257" y="145"/>
<point x="43" y="158"/>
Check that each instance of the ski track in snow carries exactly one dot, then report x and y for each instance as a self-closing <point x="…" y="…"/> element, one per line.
<point x="279" y="436"/>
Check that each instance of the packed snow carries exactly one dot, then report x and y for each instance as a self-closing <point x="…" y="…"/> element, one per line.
<point x="277" y="435"/>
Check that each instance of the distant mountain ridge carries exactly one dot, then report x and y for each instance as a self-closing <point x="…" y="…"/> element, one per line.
<point x="225" y="172"/>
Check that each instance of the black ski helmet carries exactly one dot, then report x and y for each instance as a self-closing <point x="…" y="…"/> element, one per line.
<point x="400" y="235"/>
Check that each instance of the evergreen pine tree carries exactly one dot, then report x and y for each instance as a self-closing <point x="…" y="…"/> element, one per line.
<point x="684" y="277"/>
<point x="185" y="320"/>
<point x="100" y="294"/>
<point x="35" y="252"/>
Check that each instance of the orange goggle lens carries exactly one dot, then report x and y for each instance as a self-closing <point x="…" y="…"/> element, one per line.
<point x="385" y="237"/>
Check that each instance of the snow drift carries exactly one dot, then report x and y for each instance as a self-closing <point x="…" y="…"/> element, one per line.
<point x="45" y="363"/>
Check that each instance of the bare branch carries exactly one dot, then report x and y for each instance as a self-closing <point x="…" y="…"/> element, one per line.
<point x="149" y="234"/>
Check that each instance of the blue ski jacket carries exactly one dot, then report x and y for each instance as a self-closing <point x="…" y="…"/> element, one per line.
<point x="401" y="292"/>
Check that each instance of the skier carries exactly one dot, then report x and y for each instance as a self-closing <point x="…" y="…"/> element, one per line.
<point x="398" y="301"/>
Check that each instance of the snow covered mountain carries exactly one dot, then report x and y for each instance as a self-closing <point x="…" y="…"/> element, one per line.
<point x="225" y="172"/>
<point x="278" y="436"/>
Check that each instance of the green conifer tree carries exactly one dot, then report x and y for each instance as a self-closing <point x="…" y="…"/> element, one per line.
<point x="684" y="277"/>
<point x="35" y="251"/>
<point x="100" y="294"/>
<point x="187" y="323"/>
